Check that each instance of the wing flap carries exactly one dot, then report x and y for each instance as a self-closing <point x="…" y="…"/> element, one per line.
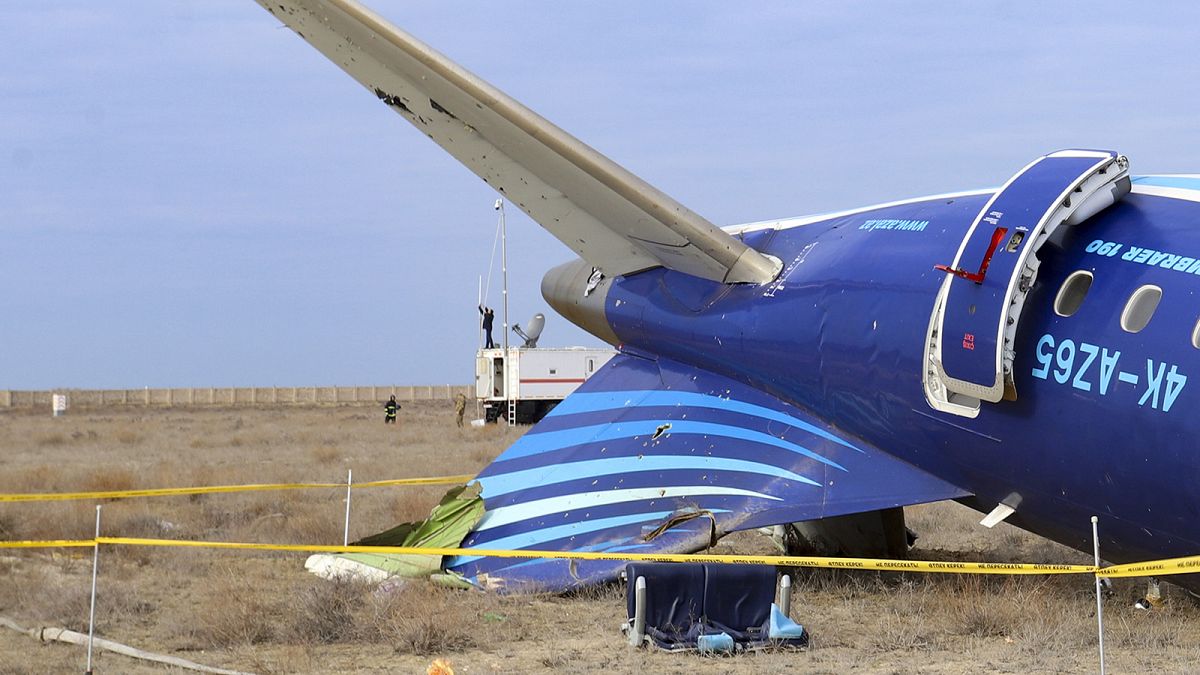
<point x="651" y="456"/>
<point x="607" y="215"/>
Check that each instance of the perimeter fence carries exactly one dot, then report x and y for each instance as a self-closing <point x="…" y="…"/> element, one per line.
<point x="232" y="396"/>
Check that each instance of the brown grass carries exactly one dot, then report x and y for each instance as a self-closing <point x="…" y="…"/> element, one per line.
<point x="105" y="479"/>
<point x="328" y="612"/>
<point x="49" y="595"/>
<point x="234" y="613"/>
<point x="260" y="611"/>
<point x="424" y="620"/>
<point x="326" y="454"/>
<point x="51" y="440"/>
<point x="128" y="435"/>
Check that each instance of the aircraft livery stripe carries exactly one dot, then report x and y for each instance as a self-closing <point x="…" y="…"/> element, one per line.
<point x="1184" y="194"/>
<point x="1184" y="182"/>
<point x="506" y="515"/>
<point x="799" y="221"/>
<point x="535" y="443"/>
<point x="505" y="483"/>
<point x="598" y="548"/>
<point x="605" y="547"/>
<point x="535" y="537"/>
<point x="715" y="504"/>
<point x="608" y="400"/>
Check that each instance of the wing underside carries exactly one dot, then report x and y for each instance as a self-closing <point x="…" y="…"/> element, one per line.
<point x="648" y="455"/>
<point x="652" y="456"/>
<point x="607" y="215"/>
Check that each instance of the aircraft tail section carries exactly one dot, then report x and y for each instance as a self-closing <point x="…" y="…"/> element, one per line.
<point x="610" y="217"/>
<point x="652" y="456"/>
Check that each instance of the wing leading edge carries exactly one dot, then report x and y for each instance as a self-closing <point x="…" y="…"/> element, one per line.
<point x="653" y="456"/>
<point x="607" y="215"/>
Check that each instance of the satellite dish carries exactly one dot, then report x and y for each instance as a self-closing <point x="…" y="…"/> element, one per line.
<point x="531" y="334"/>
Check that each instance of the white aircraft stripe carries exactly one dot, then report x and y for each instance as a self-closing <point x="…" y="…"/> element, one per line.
<point x="1172" y="192"/>
<point x="1091" y="154"/>
<point x="505" y="483"/>
<point x="788" y="223"/>
<point x="506" y="515"/>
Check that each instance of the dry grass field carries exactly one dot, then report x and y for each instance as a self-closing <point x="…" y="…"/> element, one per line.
<point x="261" y="612"/>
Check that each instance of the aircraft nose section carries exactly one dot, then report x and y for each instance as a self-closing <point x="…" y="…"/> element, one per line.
<point x="577" y="291"/>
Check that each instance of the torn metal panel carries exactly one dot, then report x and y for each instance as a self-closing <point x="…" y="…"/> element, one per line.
<point x="458" y="511"/>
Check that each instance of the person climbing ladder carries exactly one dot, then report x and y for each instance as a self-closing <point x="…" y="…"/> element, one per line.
<point x="488" y="317"/>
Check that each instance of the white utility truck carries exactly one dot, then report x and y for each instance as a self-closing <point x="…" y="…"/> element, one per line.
<point x="536" y="379"/>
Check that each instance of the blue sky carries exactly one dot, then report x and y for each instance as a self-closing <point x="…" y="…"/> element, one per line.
<point x="192" y="196"/>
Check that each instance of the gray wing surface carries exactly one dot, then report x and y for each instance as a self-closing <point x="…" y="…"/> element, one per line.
<point x="608" y="216"/>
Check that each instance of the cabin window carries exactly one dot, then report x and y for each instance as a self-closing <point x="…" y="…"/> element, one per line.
<point x="1140" y="308"/>
<point x="1072" y="293"/>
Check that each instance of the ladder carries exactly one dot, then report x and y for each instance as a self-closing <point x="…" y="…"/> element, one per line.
<point x="510" y="385"/>
<point x="969" y="347"/>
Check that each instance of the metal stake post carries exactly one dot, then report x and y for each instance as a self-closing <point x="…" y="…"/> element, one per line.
<point x="1099" y="606"/>
<point x="346" y="531"/>
<point x="479" y="332"/>
<point x="637" y="631"/>
<point x="785" y="595"/>
<point x="92" y="611"/>
<point x="508" y="389"/>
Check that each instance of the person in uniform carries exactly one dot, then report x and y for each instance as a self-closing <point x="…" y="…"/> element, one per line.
<point x="460" y="407"/>
<point x="389" y="410"/>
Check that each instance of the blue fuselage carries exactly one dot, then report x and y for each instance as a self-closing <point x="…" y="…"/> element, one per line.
<point x="1104" y="418"/>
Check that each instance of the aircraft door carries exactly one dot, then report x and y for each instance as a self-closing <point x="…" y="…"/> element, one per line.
<point x="969" y="348"/>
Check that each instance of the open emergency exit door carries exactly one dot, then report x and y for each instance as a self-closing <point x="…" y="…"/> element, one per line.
<point x="969" y="351"/>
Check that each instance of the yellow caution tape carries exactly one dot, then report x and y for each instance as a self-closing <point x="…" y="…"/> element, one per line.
<point x="435" y="480"/>
<point x="56" y="543"/>
<point x="1188" y="565"/>
<point x="161" y="492"/>
<point x="784" y="561"/>
<point x="1154" y="568"/>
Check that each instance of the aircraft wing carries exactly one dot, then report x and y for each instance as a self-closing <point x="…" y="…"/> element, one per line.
<point x="611" y="218"/>
<point x="652" y="456"/>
